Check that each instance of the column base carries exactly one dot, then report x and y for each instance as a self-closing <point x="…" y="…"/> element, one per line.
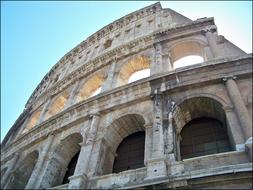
<point x="175" y="168"/>
<point x="156" y="168"/>
<point x="77" y="181"/>
<point x="248" y="145"/>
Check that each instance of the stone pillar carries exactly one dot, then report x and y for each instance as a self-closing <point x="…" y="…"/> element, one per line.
<point x="208" y="53"/>
<point x="108" y="84"/>
<point x="72" y="95"/>
<point x="148" y="142"/>
<point x="156" y="66"/>
<point x="170" y="136"/>
<point x="78" y="180"/>
<point x="6" y="180"/>
<point x="178" y="139"/>
<point x="211" y="37"/>
<point x="36" y="177"/>
<point x="234" y="131"/>
<point x="240" y="108"/>
<point x="44" y="110"/>
<point x="156" y="166"/>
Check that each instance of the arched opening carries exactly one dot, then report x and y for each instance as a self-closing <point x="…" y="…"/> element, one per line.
<point x="187" y="53"/>
<point x="130" y="153"/>
<point x="71" y="168"/>
<point x="63" y="162"/>
<point x="33" y="121"/>
<point x="188" y="60"/>
<point x="203" y="136"/>
<point x="139" y="64"/>
<point x="139" y="75"/>
<point x="201" y="127"/>
<point x="24" y="170"/>
<point x="125" y="139"/>
<point x="57" y="105"/>
<point x="91" y="87"/>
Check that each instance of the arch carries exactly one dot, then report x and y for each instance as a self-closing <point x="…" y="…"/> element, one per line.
<point x="122" y="113"/>
<point x="134" y="65"/>
<point x="193" y="117"/>
<point x="62" y="160"/>
<point x="188" y="60"/>
<point x="90" y="86"/>
<point x="203" y="136"/>
<point x="24" y="170"/>
<point x="57" y="104"/>
<point x="196" y="107"/>
<point x="33" y="120"/>
<point x="203" y="95"/>
<point x="130" y="153"/>
<point x="187" y="47"/>
<point x="116" y="132"/>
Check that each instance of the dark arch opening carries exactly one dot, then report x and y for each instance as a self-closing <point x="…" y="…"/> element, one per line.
<point x="130" y="153"/>
<point x="204" y="136"/>
<point x="71" y="168"/>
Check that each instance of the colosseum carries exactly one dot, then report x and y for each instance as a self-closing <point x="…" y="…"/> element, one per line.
<point x="86" y="126"/>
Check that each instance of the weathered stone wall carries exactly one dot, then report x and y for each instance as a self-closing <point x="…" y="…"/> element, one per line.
<point x="61" y="117"/>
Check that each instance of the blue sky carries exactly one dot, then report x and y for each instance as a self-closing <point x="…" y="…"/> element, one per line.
<point x="35" y="35"/>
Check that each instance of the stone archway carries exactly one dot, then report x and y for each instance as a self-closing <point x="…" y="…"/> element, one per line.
<point x="117" y="131"/>
<point x="33" y="120"/>
<point x="24" y="171"/>
<point x="89" y="88"/>
<point x="200" y="113"/>
<point x="62" y="160"/>
<point x="57" y="104"/>
<point x="137" y="64"/>
<point x="186" y="49"/>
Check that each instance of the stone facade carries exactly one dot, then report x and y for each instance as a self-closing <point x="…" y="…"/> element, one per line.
<point x="62" y="117"/>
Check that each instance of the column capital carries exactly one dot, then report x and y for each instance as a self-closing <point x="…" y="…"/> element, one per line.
<point x="148" y="125"/>
<point x="225" y="79"/>
<point x="94" y="115"/>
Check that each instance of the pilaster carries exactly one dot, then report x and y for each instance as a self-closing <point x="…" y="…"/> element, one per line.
<point x="78" y="180"/>
<point x="156" y="166"/>
<point x="240" y="108"/>
<point x="109" y="80"/>
<point x="44" y="110"/>
<point x="37" y="174"/>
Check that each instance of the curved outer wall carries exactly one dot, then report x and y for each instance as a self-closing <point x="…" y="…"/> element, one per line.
<point x="62" y="117"/>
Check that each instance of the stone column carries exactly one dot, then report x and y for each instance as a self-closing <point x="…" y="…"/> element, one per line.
<point x="156" y="66"/>
<point x="234" y="131"/>
<point x="240" y="108"/>
<point x="156" y="166"/>
<point x="78" y="180"/>
<point x="170" y="136"/>
<point x="72" y="95"/>
<point x="36" y="176"/>
<point x="211" y="37"/>
<point x="108" y="84"/>
<point x="148" y="142"/>
<point x="44" y="110"/>
<point x="5" y="181"/>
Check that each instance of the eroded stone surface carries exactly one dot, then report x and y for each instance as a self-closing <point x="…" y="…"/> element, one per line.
<point x="62" y="117"/>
